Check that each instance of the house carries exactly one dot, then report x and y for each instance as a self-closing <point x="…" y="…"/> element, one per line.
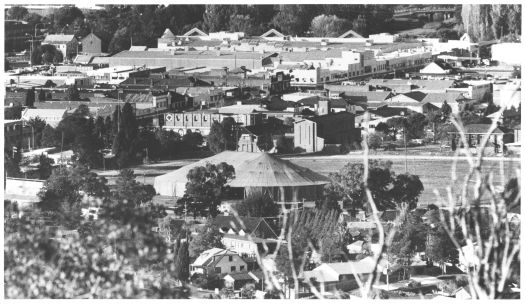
<point x="51" y="116"/>
<point x="91" y="44"/>
<point x="67" y="44"/>
<point x="217" y="261"/>
<point x="252" y="226"/>
<point x="246" y="245"/>
<point x="18" y="133"/>
<point x="340" y="276"/>
<point x="475" y="132"/>
<point x="238" y="280"/>
<point x="313" y="134"/>
<point x="437" y="68"/>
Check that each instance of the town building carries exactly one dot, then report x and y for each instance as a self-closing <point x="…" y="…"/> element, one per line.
<point x="18" y="133"/>
<point x="91" y="44"/>
<point x="52" y="117"/>
<point x="67" y="44"/>
<point x="313" y="134"/>
<point x="474" y="134"/>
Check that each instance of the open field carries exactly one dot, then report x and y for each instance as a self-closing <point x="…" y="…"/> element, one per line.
<point x="434" y="171"/>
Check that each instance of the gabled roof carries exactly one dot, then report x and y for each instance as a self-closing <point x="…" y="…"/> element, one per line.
<point x="239" y="276"/>
<point x="195" y="32"/>
<point x="416" y="95"/>
<point x="330" y="272"/>
<point x="205" y="257"/>
<point x="52" y="38"/>
<point x="248" y="224"/>
<point x="350" y="32"/>
<point x="168" y="34"/>
<point x="242" y="109"/>
<point x="272" y="33"/>
<point x="481" y="129"/>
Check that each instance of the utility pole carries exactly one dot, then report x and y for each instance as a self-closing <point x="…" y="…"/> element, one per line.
<point x="405" y="139"/>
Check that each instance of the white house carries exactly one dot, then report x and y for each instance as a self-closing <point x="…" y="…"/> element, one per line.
<point x="217" y="261"/>
<point x="67" y="44"/>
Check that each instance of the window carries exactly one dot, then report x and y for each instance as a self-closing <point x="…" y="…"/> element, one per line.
<point x="233" y="268"/>
<point x="241" y="268"/>
<point x="217" y="269"/>
<point x="230" y="258"/>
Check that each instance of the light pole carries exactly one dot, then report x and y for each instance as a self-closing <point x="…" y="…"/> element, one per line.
<point x="30" y="48"/>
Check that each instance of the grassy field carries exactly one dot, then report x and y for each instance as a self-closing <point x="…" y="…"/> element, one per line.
<point x="434" y="173"/>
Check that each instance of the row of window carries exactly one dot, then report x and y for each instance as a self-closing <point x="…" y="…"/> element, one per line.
<point x="232" y="269"/>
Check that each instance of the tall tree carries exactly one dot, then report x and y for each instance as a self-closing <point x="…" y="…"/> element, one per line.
<point x="265" y="142"/>
<point x="17" y="12"/>
<point x="45" y="167"/>
<point x="205" y="187"/>
<point x="30" y="98"/>
<point x="182" y="267"/>
<point x="124" y="144"/>
<point x="329" y="26"/>
<point x="208" y="237"/>
<point x="41" y="96"/>
<point x="129" y="190"/>
<point x="258" y="205"/>
<point x="72" y="93"/>
<point x="388" y="190"/>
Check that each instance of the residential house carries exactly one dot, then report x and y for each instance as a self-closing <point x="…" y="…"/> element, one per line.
<point x="217" y="261"/>
<point x="437" y="68"/>
<point x="340" y="276"/>
<point x="252" y="226"/>
<point x="202" y="97"/>
<point x="475" y="132"/>
<point x="240" y="279"/>
<point x="67" y="44"/>
<point x="248" y="246"/>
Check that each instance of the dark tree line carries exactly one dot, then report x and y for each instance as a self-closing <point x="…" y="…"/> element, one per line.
<point x="119" y="26"/>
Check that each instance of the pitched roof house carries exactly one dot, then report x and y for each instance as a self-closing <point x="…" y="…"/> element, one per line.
<point x="217" y="261"/>
<point x="252" y="226"/>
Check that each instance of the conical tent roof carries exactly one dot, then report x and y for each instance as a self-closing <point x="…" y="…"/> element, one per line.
<point x="168" y="34"/>
<point x="269" y="171"/>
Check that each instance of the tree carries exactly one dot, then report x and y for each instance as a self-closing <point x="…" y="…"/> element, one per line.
<point x="127" y="189"/>
<point x="124" y="144"/>
<point x="37" y="127"/>
<point x="30" y="98"/>
<point x="446" y="110"/>
<point x="58" y="57"/>
<point x="41" y="96"/>
<point x="439" y="246"/>
<point x="265" y="142"/>
<point x="415" y="126"/>
<point x="182" y="265"/>
<point x="49" y="84"/>
<point x="7" y="65"/>
<point x="386" y="188"/>
<point x="17" y="12"/>
<point x="45" y="167"/>
<point x="120" y="41"/>
<point x="216" y="17"/>
<point x="222" y="136"/>
<point x="65" y="16"/>
<point x="50" y="138"/>
<point x="208" y="237"/>
<point x="68" y="185"/>
<point x="72" y="93"/>
<point x="258" y="204"/>
<point x="395" y="125"/>
<point x="383" y="128"/>
<point x="329" y="26"/>
<point x="375" y="140"/>
<point x="205" y="186"/>
<point x="293" y="19"/>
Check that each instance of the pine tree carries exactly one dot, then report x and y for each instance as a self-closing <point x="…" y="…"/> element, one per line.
<point x="30" y="98"/>
<point x="41" y="96"/>
<point x="183" y="263"/>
